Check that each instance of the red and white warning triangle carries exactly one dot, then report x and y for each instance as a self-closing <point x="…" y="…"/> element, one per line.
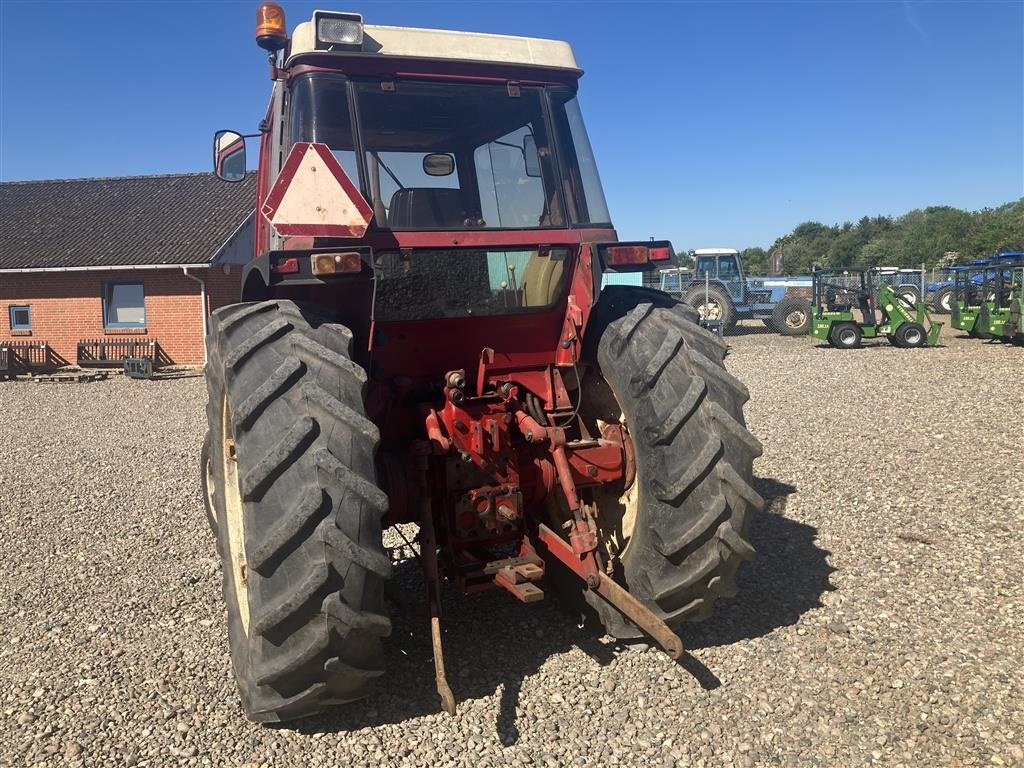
<point x="314" y="197"/>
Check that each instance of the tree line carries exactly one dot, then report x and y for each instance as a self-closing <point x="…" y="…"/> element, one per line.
<point x="936" y="236"/>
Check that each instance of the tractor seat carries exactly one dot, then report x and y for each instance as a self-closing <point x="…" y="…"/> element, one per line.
<point x="427" y="208"/>
<point x="542" y="280"/>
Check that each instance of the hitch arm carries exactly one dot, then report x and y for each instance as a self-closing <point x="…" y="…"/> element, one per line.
<point x="619" y="598"/>
<point x="428" y="557"/>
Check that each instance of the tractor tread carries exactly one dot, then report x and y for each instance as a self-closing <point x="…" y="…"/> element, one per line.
<point x="336" y="539"/>
<point x="313" y="352"/>
<point x="336" y="665"/>
<point x="744" y="488"/>
<point x="269" y="547"/>
<point x="283" y="377"/>
<point x="698" y="529"/>
<point x="350" y="481"/>
<point x="696" y="470"/>
<point x="664" y="432"/>
<point x="632" y="322"/>
<point x="374" y="623"/>
<point x="715" y="371"/>
<point x="728" y="536"/>
<point x="234" y="314"/>
<point x="656" y="365"/>
<point x="311" y="509"/>
<point x="692" y="608"/>
<point x="694" y="457"/>
<point x="699" y="572"/>
<point x="300" y="654"/>
<point x="245" y="350"/>
<point x="318" y="396"/>
<point x="300" y="591"/>
<point x="736" y="430"/>
<point x="256" y="481"/>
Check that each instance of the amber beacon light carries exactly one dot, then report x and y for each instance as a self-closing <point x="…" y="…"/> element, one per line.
<point x="271" y="32"/>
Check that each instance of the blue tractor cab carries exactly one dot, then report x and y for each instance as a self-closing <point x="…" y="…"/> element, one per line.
<point x="940" y="294"/>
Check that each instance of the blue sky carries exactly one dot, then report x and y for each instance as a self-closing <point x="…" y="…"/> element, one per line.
<point x="713" y="123"/>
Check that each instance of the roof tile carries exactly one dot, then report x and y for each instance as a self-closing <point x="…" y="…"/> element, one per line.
<point x="130" y="220"/>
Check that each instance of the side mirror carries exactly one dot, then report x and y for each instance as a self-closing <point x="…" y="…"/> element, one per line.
<point x="438" y="164"/>
<point x="229" y="156"/>
<point x="531" y="157"/>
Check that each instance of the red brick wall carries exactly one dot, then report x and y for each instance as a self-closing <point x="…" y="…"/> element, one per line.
<point x="67" y="307"/>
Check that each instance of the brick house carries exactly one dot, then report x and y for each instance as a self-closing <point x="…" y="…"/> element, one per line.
<point x="121" y="258"/>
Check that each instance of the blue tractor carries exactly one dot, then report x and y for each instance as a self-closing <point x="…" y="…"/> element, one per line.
<point x="720" y="293"/>
<point x="940" y="293"/>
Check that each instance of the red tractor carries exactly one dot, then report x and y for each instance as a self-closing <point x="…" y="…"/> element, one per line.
<point x="423" y="338"/>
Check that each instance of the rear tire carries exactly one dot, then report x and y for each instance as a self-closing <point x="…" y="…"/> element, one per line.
<point x="792" y="317"/>
<point x="910" y="293"/>
<point x="716" y="305"/>
<point x="298" y="510"/>
<point x="942" y="301"/>
<point x="619" y="300"/>
<point x="845" y="336"/>
<point x="208" y="484"/>
<point x="690" y="504"/>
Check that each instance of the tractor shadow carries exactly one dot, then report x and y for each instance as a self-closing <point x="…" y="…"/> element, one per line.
<point x="492" y="641"/>
<point x="783" y="582"/>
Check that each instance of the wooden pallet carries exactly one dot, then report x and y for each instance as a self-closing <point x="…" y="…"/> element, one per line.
<point x="60" y="378"/>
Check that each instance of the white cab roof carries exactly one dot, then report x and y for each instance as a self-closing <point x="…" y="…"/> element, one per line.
<point x="449" y="44"/>
<point x="715" y="251"/>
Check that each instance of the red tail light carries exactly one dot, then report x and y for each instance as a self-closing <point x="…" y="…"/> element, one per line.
<point x="618" y="255"/>
<point x="661" y="253"/>
<point x="627" y="257"/>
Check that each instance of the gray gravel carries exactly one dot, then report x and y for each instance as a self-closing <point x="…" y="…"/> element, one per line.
<point x="883" y="622"/>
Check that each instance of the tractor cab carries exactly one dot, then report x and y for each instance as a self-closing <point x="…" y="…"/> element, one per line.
<point x="409" y="175"/>
<point x="721" y="265"/>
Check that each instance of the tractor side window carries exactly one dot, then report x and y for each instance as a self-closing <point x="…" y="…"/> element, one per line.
<point x="577" y="156"/>
<point x="727" y="268"/>
<point x="319" y="114"/>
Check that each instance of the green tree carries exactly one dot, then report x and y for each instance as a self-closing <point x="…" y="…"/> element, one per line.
<point x="924" y="235"/>
<point x="755" y="261"/>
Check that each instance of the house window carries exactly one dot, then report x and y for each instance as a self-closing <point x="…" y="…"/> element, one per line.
<point x="21" y="318"/>
<point x="124" y="306"/>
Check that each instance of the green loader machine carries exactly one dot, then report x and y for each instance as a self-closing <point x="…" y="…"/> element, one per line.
<point x="858" y="303"/>
<point x="973" y="288"/>
<point x="1003" y="296"/>
<point x="1013" y="330"/>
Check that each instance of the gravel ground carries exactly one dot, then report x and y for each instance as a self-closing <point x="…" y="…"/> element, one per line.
<point x="882" y="622"/>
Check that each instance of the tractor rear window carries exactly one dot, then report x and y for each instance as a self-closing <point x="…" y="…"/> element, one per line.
<point x="504" y="176"/>
<point x="443" y="156"/>
<point x="467" y="282"/>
